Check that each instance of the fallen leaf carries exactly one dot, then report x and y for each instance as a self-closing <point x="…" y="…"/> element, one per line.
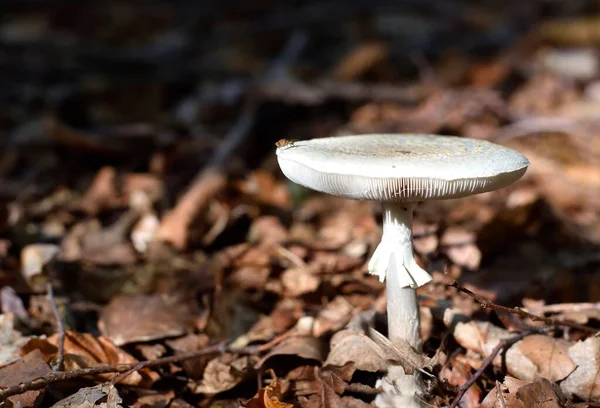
<point x="315" y="387"/>
<point x="299" y="281"/>
<point x="267" y="231"/>
<point x="335" y="315"/>
<point x="549" y="355"/>
<point x="459" y="245"/>
<point x="459" y="374"/>
<point x="584" y="382"/>
<point x="350" y="346"/>
<point x="504" y="395"/>
<point x="101" y="396"/>
<point x="31" y="366"/>
<point x="302" y="347"/>
<point x="127" y="319"/>
<point x="192" y="342"/>
<point x="482" y="337"/>
<point x="155" y="400"/>
<point x="83" y="350"/>
<point x="268" y="397"/>
<point x="541" y="393"/>
<point x="223" y="373"/>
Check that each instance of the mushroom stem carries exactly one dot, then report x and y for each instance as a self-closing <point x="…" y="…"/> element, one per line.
<point x="394" y="259"/>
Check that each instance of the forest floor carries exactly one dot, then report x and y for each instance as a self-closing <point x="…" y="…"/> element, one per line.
<point x="153" y="255"/>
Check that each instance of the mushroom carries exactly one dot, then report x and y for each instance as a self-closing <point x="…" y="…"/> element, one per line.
<point x="400" y="170"/>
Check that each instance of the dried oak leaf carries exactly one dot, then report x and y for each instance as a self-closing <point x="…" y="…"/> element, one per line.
<point x="299" y="281"/>
<point x="549" y="355"/>
<point x="504" y="395"/>
<point x="335" y="315"/>
<point x="323" y="388"/>
<point x="303" y="347"/>
<point x="83" y="350"/>
<point x="223" y="373"/>
<point x="127" y="319"/>
<point x="459" y="245"/>
<point x="459" y="374"/>
<point x="541" y="393"/>
<point x="192" y="342"/>
<point x="482" y="337"/>
<point x="101" y="396"/>
<point x="268" y="397"/>
<point x="350" y="346"/>
<point x="584" y="382"/>
<point x="31" y="366"/>
<point x="155" y="400"/>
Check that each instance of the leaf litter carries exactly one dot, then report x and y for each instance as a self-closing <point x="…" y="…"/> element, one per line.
<point x="187" y="271"/>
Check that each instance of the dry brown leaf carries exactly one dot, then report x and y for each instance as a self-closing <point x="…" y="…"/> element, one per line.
<point x="267" y="231"/>
<point x="268" y="397"/>
<point x="90" y="398"/>
<point x="459" y="245"/>
<point x="191" y="342"/>
<point x="264" y="188"/>
<point x="459" y="374"/>
<point x="549" y="355"/>
<point x="303" y="347"/>
<point x="504" y="395"/>
<point x="84" y="350"/>
<point x="127" y="319"/>
<point x="299" y="281"/>
<point x="223" y="373"/>
<point x="541" y="393"/>
<point x="482" y="337"/>
<point x="31" y="366"/>
<point x="335" y="315"/>
<point x="584" y="382"/>
<point x="155" y="400"/>
<point x="350" y="346"/>
<point x="317" y="388"/>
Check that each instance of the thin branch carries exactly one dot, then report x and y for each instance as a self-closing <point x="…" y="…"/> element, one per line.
<point x="487" y="304"/>
<point x="58" y="366"/>
<point x="503" y="344"/>
<point x="56" y="377"/>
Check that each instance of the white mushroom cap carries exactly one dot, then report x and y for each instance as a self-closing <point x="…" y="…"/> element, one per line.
<point x="400" y="167"/>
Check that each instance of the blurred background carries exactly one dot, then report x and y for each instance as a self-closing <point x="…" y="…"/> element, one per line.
<point x="137" y="157"/>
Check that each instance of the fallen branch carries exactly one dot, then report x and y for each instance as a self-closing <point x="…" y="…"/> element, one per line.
<point x="504" y="344"/>
<point x="487" y="304"/>
<point x="60" y="376"/>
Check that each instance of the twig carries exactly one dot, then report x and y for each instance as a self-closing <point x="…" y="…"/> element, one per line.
<point x="503" y="344"/>
<point x="487" y="304"/>
<point x="61" y="376"/>
<point x="61" y="330"/>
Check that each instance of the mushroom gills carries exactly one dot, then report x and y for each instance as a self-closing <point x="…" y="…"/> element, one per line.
<point x="396" y="246"/>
